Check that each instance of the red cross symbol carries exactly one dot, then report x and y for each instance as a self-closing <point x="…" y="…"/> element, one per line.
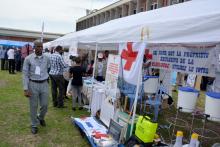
<point x="129" y="55"/>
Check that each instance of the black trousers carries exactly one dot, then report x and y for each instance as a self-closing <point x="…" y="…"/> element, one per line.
<point x="11" y="65"/>
<point x="100" y="78"/>
<point x="2" y="64"/>
<point x="18" y="65"/>
<point x="58" y="89"/>
<point x="65" y="86"/>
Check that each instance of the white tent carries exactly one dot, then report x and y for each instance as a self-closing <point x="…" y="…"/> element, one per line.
<point x="196" y="21"/>
<point x="190" y="22"/>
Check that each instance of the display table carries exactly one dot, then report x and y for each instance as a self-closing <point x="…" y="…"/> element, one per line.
<point x="98" y="96"/>
<point x="94" y="93"/>
<point x="87" y="91"/>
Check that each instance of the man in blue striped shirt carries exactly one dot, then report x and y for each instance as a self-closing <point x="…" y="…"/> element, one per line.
<point x="56" y="74"/>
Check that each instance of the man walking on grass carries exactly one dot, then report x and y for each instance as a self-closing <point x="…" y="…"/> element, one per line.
<point x="35" y="82"/>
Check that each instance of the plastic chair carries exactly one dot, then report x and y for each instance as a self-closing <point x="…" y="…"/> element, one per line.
<point x="131" y="96"/>
<point x="156" y="101"/>
<point x="129" y="90"/>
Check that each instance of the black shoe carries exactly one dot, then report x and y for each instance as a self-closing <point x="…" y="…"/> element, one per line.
<point x="74" y="109"/>
<point x="55" y="104"/>
<point x="80" y="108"/>
<point x="34" y="130"/>
<point x="42" y="122"/>
<point x="66" y="98"/>
<point x="61" y="106"/>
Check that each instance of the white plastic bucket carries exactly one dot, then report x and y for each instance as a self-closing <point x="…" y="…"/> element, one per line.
<point x="150" y="84"/>
<point x="187" y="97"/>
<point x="212" y="106"/>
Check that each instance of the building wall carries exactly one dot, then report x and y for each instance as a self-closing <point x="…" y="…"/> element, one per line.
<point x="126" y="8"/>
<point x="24" y="39"/>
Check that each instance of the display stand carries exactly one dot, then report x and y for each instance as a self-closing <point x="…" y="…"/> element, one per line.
<point x="89" y="126"/>
<point x="82" y="129"/>
<point x="97" y="134"/>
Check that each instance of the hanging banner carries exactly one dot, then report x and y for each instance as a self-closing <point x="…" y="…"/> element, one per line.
<point x="132" y="54"/>
<point x="194" y="59"/>
<point x="112" y="74"/>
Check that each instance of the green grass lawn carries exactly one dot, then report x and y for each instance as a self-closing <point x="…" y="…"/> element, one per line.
<point x="208" y="139"/>
<point x="15" y="124"/>
<point x="59" y="132"/>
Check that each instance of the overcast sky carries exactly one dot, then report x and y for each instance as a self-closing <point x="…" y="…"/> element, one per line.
<point x="59" y="16"/>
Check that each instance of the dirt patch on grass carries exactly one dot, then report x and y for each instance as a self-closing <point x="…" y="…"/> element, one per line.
<point x="3" y="83"/>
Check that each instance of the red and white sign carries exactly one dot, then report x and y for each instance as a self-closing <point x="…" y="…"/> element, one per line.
<point x="132" y="55"/>
<point x="112" y="74"/>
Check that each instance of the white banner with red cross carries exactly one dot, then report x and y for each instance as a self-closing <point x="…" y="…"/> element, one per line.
<point x="132" y="55"/>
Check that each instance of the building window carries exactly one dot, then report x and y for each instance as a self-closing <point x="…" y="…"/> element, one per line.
<point x="177" y="1"/>
<point x="134" y="12"/>
<point x="153" y="6"/>
<point x="142" y="9"/>
<point x="174" y="2"/>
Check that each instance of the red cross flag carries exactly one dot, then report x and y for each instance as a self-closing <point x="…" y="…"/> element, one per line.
<point x="132" y="55"/>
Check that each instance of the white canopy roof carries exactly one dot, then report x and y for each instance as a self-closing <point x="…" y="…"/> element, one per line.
<point x="195" y="21"/>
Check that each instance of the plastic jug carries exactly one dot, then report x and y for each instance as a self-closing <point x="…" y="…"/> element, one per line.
<point x="179" y="139"/>
<point x="194" y="140"/>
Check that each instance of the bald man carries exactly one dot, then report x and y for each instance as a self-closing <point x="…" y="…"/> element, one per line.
<point x="35" y="83"/>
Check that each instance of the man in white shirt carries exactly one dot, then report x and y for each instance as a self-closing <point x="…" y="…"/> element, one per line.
<point x="216" y="63"/>
<point x="11" y="59"/>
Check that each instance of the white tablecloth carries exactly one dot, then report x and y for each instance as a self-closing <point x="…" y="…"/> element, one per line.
<point x="98" y="96"/>
<point x="87" y="91"/>
<point x="95" y="95"/>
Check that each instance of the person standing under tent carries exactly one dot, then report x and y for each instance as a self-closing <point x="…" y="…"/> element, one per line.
<point x="6" y="58"/>
<point x="18" y="59"/>
<point x="180" y="79"/>
<point x="2" y="57"/>
<point x="147" y="63"/>
<point x="216" y="83"/>
<point x="89" y="69"/>
<point x="66" y="76"/>
<point x="106" y="54"/>
<point x="35" y="83"/>
<point x="11" y="60"/>
<point x="84" y="61"/>
<point x="57" y="80"/>
<point x="47" y="52"/>
<point x="100" y="69"/>
<point x="25" y="51"/>
<point x="76" y="72"/>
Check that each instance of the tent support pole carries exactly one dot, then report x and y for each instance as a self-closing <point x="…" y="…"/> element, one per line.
<point x="96" y="50"/>
<point x="135" y="100"/>
<point x="93" y="73"/>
